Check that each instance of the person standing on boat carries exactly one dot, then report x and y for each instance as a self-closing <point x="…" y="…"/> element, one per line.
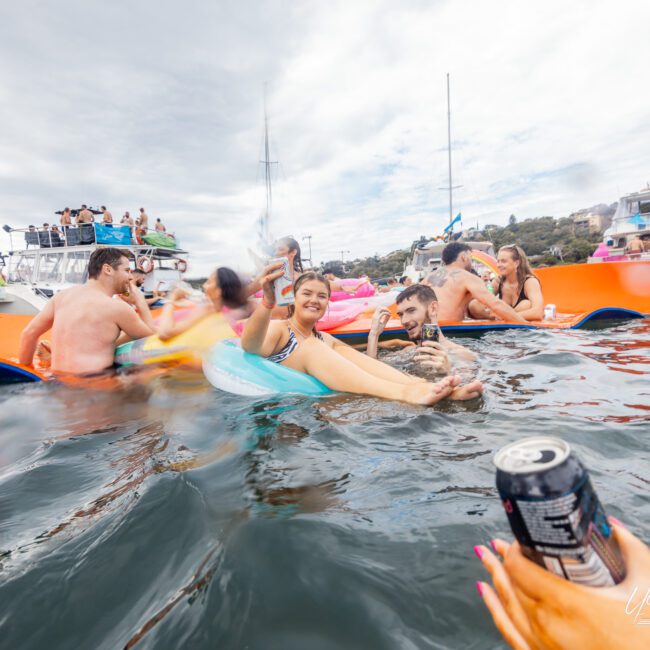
<point x="635" y="246"/>
<point x="107" y="217"/>
<point x="86" y="322"/>
<point x="143" y="220"/>
<point x="456" y="287"/>
<point x="159" y="226"/>
<point x="66" y="220"/>
<point x="516" y="285"/>
<point x="85" y="215"/>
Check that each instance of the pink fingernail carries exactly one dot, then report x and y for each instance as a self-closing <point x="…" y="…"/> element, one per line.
<point x="479" y="552"/>
<point x="479" y="587"/>
<point x="493" y="544"/>
<point x="616" y="522"/>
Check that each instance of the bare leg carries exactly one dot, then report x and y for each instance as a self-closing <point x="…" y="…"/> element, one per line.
<point x="340" y="374"/>
<point x="376" y="368"/>
<point x="479" y="311"/>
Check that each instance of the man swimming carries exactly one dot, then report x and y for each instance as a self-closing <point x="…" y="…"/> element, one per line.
<point x="86" y="321"/>
<point x="455" y="286"/>
<point x="417" y="306"/>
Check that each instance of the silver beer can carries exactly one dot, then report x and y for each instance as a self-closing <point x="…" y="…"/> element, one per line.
<point x="550" y="312"/>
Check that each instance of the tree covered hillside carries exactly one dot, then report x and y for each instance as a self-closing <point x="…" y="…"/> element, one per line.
<point x="547" y="240"/>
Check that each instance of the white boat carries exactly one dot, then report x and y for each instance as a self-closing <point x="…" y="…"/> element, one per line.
<point x="632" y="218"/>
<point x="42" y="262"/>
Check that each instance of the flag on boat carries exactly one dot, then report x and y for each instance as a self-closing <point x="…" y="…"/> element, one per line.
<point x="455" y="220"/>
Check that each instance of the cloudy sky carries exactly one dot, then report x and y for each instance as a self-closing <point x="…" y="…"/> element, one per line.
<point x="160" y="104"/>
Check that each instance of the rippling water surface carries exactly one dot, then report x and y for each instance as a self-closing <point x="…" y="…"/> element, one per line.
<point x="166" y="514"/>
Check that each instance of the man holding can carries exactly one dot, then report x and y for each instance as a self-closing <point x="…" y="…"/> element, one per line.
<point x="417" y="308"/>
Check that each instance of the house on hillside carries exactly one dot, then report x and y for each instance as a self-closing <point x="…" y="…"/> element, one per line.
<point x="590" y="222"/>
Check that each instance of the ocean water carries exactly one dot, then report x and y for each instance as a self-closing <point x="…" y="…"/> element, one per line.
<point x="165" y="514"/>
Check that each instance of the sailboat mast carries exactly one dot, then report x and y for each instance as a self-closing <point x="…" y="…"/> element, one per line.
<point x="267" y="169"/>
<point x="451" y="216"/>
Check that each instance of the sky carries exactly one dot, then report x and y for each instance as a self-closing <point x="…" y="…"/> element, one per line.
<point x="160" y="104"/>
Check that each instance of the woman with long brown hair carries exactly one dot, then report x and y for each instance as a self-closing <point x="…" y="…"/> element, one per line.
<point x="295" y="343"/>
<point x="516" y="285"/>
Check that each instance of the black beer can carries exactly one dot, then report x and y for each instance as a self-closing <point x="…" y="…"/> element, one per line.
<point x="430" y="332"/>
<point x="555" y="513"/>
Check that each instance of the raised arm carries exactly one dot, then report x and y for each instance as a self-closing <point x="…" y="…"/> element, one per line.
<point x="255" y="337"/>
<point x="36" y="327"/>
<point x="130" y="323"/>
<point x="477" y="288"/>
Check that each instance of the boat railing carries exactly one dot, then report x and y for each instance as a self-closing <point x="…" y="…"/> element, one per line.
<point x="82" y="234"/>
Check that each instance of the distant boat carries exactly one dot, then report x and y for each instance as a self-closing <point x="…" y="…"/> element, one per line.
<point x="632" y="218"/>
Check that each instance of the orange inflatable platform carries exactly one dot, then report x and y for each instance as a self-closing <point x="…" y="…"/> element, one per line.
<point x="580" y="293"/>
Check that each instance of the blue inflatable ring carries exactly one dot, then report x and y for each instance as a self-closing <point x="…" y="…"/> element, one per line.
<point x="227" y="367"/>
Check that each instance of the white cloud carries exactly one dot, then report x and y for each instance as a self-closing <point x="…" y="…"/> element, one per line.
<point x="161" y="105"/>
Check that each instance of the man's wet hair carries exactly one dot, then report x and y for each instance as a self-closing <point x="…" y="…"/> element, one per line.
<point x="426" y="295"/>
<point x="451" y="252"/>
<point x="110" y="256"/>
<point x="138" y="272"/>
<point x="103" y="207"/>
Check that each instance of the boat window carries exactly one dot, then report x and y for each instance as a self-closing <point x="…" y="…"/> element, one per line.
<point x="50" y="267"/>
<point x="644" y="208"/>
<point x="21" y="268"/>
<point x="75" y="272"/>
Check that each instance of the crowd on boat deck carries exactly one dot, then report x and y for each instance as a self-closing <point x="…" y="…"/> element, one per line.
<point x="88" y="322"/>
<point x="73" y="229"/>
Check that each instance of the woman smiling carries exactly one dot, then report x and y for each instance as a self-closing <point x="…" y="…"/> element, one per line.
<point x="294" y="342"/>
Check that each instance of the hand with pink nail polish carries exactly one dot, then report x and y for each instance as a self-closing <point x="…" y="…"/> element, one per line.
<point x="536" y="610"/>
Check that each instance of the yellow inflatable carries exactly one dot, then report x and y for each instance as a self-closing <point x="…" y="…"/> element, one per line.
<point x="187" y="347"/>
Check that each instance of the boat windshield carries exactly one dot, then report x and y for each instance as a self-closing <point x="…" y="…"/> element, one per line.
<point x="50" y="268"/>
<point x="21" y="267"/>
<point x="76" y="269"/>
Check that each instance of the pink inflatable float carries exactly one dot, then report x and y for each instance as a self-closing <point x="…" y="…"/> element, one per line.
<point x="364" y="291"/>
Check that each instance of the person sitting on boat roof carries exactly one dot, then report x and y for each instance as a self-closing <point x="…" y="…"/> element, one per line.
<point x="297" y="344"/>
<point x="85" y="215"/>
<point x="335" y="283"/>
<point x="127" y="219"/>
<point x="455" y="287"/>
<point x="516" y="285"/>
<point x="417" y="306"/>
<point x="635" y="246"/>
<point x="159" y="226"/>
<point x="143" y="220"/>
<point x="107" y="217"/>
<point x="87" y="324"/>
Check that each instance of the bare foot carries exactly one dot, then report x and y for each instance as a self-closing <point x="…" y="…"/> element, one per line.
<point x="430" y="393"/>
<point x="468" y="391"/>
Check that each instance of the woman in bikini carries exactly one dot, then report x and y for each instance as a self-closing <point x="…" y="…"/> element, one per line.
<point x="516" y="285"/>
<point x="294" y="342"/>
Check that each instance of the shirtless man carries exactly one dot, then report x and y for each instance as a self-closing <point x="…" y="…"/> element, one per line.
<point x="85" y="215"/>
<point x="455" y="286"/>
<point x="417" y="305"/>
<point x="65" y="217"/>
<point x="86" y="321"/>
<point x="160" y="227"/>
<point x="143" y="220"/>
<point x="635" y="247"/>
<point x="107" y="217"/>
